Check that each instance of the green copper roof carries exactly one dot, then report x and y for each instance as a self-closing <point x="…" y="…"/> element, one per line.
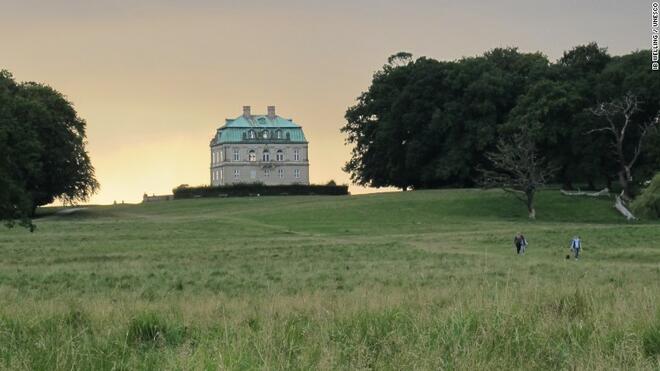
<point x="246" y="129"/>
<point x="260" y="121"/>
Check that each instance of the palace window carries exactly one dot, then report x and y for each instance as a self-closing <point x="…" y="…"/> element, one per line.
<point x="279" y="155"/>
<point x="265" y="156"/>
<point x="253" y="174"/>
<point x="252" y="156"/>
<point x="280" y="173"/>
<point x="251" y="134"/>
<point x="296" y="154"/>
<point x="237" y="173"/>
<point x="236" y="155"/>
<point x="267" y="173"/>
<point x="264" y="134"/>
<point x="278" y="134"/>
<point x="222" y="155"/>
<point x="296" y="173"/>
<point x="222" y="174"/>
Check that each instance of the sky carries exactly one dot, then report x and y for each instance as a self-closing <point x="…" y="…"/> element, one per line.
<point x="155" y="79"/>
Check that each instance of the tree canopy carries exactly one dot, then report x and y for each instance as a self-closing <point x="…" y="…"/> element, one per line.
<point x="42" y="150"/>
<point x="425" y="123"/>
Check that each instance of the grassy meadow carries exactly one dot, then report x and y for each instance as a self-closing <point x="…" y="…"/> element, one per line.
<point x="398" y="281"/>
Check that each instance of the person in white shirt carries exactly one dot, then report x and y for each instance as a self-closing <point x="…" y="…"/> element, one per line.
<point x="576" y="246"/>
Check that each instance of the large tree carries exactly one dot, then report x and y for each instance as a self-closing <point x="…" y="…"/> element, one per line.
<point x="424" y="123"/>
<point x="42" y="150"/>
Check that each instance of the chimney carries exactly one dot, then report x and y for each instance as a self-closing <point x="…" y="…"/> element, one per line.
<point x="271" y="112"/>
<point x="246" y="111"/>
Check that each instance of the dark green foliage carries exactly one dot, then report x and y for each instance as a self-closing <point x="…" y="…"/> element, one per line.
<point x="425" y="123"/>
<point x="17" y="146"/>
<point x="647" y="204"/>
<point x="42" y="150"/>
<point x="242" y="190"/>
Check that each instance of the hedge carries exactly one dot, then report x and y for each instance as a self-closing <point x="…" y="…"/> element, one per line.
<point x="242" y="190"/>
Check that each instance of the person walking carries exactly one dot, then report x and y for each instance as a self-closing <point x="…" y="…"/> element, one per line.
<point x="576" y="245"/>
<point x="520" y="243"/>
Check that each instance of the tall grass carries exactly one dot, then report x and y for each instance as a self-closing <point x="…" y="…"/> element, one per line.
<point x="422" y="280"/>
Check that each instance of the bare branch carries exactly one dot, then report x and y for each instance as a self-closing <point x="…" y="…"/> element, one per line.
<point x="517" y="168"/>
<point x="619" y="115"/>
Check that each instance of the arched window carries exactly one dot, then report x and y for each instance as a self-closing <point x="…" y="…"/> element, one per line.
<point x="251" y="134"/>
<point x="264" y="134"/>
<point x="279" y="155"/>
<point x="278" y="134"/>
<point x="252" y="156"/>
<point x="265" y="156"/>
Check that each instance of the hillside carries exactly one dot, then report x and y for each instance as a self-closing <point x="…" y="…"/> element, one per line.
<point x="423" y="280"/>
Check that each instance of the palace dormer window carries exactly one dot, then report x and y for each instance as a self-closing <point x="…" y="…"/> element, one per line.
<point x="264" y="134"/>
<point x="278" y="134"/>
<point x="251" y="134"/>
<point x="252" y="156"/>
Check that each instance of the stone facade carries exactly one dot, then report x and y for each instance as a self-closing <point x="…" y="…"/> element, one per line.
<point x="259" y="149"/>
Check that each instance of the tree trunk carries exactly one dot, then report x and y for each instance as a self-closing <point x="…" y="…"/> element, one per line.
<point x="625" y="185"/>
<point x="530" y="205"/>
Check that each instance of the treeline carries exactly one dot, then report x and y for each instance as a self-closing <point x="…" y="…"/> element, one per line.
<point x="42" y="150"/>
<point x="425" y="123"/>
<point x="258" y="189"/>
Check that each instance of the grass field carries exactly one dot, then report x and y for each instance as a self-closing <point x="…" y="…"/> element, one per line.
<point x="400" y="281"/>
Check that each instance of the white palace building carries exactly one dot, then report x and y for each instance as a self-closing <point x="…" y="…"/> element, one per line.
<point x="264" y="149"/>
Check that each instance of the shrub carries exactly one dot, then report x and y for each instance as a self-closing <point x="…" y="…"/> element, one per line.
<point x="247" y="189"/>
<point x="647" y="204"/>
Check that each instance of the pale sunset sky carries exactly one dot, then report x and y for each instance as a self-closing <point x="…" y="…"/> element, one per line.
<point x="154" y="79"/>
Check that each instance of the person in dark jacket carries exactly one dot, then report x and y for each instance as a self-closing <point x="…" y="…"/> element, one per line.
<point x="520" y="243"/>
